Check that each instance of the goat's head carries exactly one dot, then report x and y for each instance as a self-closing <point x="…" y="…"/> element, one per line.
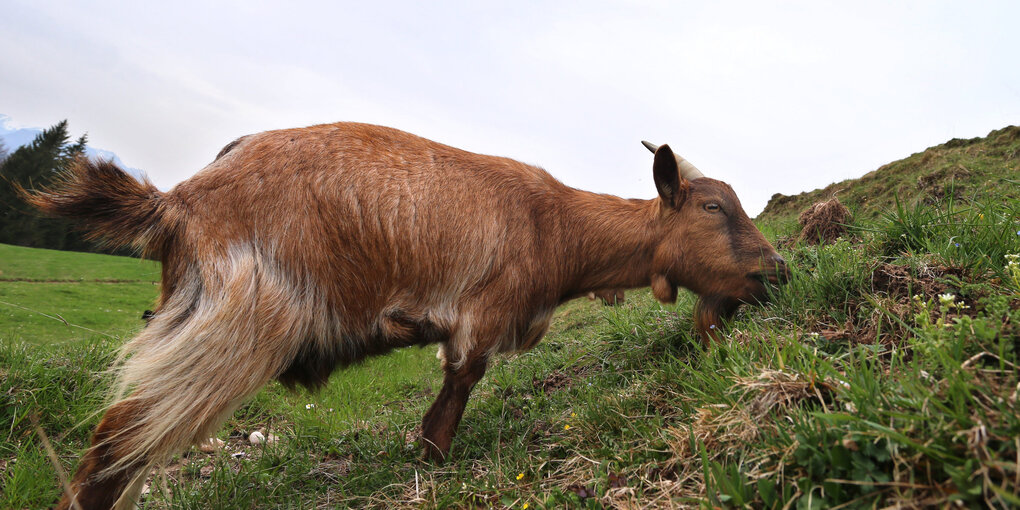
<point x="707" y="244"/>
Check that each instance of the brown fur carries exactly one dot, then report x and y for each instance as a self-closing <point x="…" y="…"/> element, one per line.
<point x="299" y="251"/>
<point x="103" y="492"/>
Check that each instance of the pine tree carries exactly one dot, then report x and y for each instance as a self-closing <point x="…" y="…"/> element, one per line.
<point x="31" y="166"/>
<point x="73" y="151"/>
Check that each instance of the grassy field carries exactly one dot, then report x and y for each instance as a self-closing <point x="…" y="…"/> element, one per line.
<point x="886" y="372"/>
<point x="49" y="296"/>
<point x="38" y="265"/>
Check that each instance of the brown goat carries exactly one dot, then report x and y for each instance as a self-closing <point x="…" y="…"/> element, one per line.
<point x="300" y="251"/>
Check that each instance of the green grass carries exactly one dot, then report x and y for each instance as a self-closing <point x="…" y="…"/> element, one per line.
<point x="49" y="296"/>
<point x="886" y="372"/>
<point x="47" y="313"/>
<point x="36" y="264"/>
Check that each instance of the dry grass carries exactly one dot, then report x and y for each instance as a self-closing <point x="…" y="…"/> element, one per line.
<point x="824" y="222"/>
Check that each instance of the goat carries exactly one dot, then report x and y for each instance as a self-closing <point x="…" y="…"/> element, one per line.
<point x="299" y="251"/>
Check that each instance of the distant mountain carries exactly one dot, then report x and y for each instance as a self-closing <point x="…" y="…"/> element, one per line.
<point x="14" y="137"/>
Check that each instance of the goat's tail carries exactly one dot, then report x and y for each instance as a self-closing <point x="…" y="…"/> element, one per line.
<point x="113" y="206"/>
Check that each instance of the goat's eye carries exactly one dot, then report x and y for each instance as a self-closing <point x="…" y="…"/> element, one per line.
<point x="712" y="207"/>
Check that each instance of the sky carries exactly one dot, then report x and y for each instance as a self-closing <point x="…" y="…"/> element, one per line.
<point x="771" y="97"/>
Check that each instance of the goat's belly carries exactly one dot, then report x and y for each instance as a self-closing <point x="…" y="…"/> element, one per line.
<point x="318" y="358"/>
<point x="535" y="331"/>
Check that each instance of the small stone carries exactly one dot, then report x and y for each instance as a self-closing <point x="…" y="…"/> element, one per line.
<point x="211" y="445"/>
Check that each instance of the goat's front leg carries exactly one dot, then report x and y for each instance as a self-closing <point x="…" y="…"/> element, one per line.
<point x="440" y="423"/>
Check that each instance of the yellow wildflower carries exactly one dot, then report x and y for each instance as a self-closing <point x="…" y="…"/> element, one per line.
<point x="519" y="476"/>
<point x="566" y="427"/>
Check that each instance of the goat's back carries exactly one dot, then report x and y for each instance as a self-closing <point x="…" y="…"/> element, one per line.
<point x="371" y="216"/>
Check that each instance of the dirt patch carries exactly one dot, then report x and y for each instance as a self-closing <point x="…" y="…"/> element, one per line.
<point x="559" y="379"/>
<point x="941" y="184"/>
<point x="898" y="281"/>
<point x="824" y="222"/>
<point x="582" y="491"/>
<point x="415" y="398"/>
<point x="555" y="381"/>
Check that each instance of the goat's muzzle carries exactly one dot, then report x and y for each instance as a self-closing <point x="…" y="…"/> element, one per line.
<point x="774" y="270"/>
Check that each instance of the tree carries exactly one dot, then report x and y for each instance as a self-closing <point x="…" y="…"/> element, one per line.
<point x="70" y="152"/>
<point x="31" y="166"/>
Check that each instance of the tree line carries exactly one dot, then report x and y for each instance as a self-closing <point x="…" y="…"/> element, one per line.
<point x="32" y="166"/>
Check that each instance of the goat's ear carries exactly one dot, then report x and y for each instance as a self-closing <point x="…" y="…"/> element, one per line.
<point x="671" y="186"/>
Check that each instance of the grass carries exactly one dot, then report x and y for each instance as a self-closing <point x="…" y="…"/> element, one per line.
<point x="50" y="296"/>
<point x="37" y="312"/>
<point x="35" y="264"/>
<point x="886" y="372"/>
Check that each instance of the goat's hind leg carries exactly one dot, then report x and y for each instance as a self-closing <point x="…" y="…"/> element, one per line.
<point x="93" y="488"/>
<point x="182" y="389"/>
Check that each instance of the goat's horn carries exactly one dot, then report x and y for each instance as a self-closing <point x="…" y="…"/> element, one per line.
<point x="687" y="170"/>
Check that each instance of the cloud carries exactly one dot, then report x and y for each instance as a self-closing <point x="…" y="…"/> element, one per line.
<point x="771" y="97"/>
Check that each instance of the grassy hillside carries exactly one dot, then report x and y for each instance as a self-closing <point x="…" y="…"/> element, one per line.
<point x="885" y="373"/>
<point x="977" y="168"/>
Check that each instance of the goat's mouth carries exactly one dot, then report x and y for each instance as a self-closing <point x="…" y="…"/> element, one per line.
<point x="773" y="276"/>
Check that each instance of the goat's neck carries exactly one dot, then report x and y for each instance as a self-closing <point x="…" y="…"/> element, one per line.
<point x="608" y="242"/>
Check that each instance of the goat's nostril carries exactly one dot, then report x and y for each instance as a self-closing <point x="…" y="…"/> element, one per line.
<point x="778" y="268"/>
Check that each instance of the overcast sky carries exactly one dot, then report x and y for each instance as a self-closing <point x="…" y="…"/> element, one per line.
<point x="768" y="96"/>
